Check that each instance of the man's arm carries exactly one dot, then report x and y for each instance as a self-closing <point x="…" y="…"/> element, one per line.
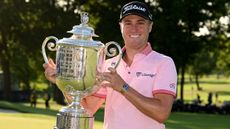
<point x="157" y="107"/>
<point x="92" y="103"/>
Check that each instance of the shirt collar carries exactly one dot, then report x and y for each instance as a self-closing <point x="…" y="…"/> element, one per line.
<point x="146" y="50"/>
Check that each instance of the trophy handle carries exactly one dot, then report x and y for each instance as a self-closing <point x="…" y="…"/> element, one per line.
<point x="111" y="52"/>
<point x="51" y="46"/>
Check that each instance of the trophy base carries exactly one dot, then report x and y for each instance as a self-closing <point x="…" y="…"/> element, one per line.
<point x="69" y="118"/>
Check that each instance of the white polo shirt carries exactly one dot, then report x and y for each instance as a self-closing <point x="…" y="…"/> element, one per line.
<point x="150" y="73"/>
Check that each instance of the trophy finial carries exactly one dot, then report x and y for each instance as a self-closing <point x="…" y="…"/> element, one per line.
<point x="84" y="18"/>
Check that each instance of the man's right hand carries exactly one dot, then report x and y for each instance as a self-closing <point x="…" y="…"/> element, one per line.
<point x="50" y="71"/>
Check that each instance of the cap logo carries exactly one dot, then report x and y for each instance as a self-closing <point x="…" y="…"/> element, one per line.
<point x="130" y="7"/>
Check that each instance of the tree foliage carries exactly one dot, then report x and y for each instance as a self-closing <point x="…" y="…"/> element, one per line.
<point x="175" y="25"/>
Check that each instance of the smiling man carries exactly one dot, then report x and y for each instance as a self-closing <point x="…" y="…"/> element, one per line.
<point x="138" y="94"/>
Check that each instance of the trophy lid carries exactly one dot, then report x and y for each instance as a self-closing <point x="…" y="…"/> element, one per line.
<point x="82" y="34"/>
<point x="83" y="28"/>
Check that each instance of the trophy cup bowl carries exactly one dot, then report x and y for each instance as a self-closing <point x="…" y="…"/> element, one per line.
<point x="78" y="59"/>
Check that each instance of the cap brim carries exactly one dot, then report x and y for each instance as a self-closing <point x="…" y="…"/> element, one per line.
<point x="133" y="13"/>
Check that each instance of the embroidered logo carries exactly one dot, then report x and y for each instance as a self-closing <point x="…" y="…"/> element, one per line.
<point x="138" y="74"/>
<point x="130" y="7"/>
<point x="113" y="63"/>
<point x="172" y="86"/>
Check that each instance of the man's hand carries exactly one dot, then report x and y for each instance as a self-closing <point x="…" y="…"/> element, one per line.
<point x="113" y="79"/>
<point x="50" y="71"/>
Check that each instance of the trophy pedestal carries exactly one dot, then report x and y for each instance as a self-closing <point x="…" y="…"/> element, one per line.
<point x="74" y="116"/>
<point x="69" y="118"/>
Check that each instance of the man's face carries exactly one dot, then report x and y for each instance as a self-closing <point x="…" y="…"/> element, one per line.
<point x="135" y="30"/>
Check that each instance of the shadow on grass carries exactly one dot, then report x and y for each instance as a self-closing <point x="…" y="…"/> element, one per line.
<point x="213" y="82"/>
<point x="208" y="82"/>
<point x="26" y="109"/>
<point x="224" y="92"/>
<point x="99" y="116"/>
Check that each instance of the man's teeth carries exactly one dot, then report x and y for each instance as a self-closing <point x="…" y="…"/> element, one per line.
<point x="134" y="36"/>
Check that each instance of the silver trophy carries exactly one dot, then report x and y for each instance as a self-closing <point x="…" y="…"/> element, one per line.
<point x="78" y="59"/>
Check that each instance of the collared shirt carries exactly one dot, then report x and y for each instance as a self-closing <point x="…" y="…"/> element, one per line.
<point x="150" y="73"/>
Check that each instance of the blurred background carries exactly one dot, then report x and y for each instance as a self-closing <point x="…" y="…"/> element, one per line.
<point x="195" y="33"/>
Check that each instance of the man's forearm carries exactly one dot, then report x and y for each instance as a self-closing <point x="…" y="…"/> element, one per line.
<point x="158" y="107"/>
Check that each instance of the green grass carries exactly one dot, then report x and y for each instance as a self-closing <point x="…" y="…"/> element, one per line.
<point x="26" y="121"/>
<point x="180" y="120"/>
<point x="25" y="108"/>
<point x="41" y="118"/>
<point x="35" y="118"/>
<point x="31" y="121"/>
<point x="176" y="121"/>
<point x="208" y="84"/>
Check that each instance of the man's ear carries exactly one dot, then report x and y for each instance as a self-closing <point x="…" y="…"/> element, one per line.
<point x="150" y="27"/>
<point x="120" y="25"/>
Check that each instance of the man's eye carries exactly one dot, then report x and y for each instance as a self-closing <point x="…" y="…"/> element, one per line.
<point x="141" y="23"/>
<point x="127" y="23"/>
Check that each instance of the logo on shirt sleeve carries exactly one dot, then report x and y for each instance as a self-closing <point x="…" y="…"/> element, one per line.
<point x="172" y="86"/>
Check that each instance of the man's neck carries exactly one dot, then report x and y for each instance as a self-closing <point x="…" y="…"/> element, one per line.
<point x="130" y="53"/>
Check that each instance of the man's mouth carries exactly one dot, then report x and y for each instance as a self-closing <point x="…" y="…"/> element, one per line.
<point x="134" y="36"/>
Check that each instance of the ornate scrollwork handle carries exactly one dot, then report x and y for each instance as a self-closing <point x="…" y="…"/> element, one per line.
<point x="51" y="46"/>
<point x="113" y="51"/>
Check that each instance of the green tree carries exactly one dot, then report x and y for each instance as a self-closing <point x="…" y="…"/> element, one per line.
<point x="24" y="26"/>
<point x="9" y="20"/>
<point x="175" y="24"/>
<point x="203" y="63"/>
<point x="223" y="58"/>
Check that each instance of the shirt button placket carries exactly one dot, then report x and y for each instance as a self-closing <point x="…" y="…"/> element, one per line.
<point x="129" y="73"/>
<point x="128" y="69"/>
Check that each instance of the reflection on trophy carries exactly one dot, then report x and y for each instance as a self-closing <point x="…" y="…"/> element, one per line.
<point x="78" y="59"/>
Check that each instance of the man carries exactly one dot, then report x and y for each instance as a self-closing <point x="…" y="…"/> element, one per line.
<point x="138" y="94"/>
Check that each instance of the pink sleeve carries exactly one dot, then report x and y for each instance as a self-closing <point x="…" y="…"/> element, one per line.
<point x="101" y="93"/>
<point x="166" y="79"/>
